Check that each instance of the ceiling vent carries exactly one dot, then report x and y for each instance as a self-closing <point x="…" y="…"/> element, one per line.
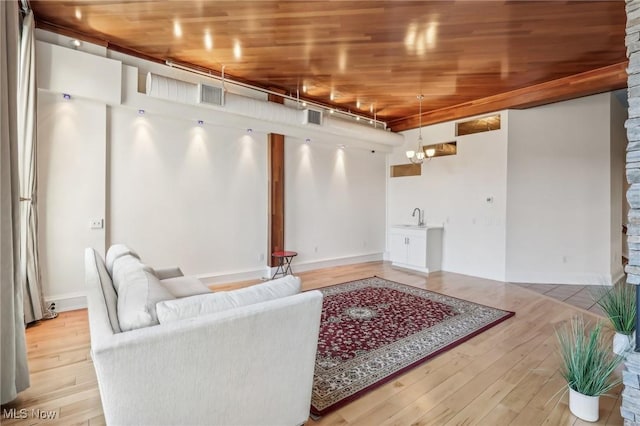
<point x="311" y="116"/>
<point x="210" y="95"/>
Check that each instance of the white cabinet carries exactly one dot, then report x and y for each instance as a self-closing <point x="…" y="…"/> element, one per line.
<point x="414" y="247"/>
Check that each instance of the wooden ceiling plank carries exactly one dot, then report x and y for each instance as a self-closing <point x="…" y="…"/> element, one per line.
<point x="601" y="80"/>
<point x="381" y="52"/>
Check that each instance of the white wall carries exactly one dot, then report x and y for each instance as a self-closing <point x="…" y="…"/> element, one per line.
<point x="555" y="175"/>
<point x="453" y="190"/>
<point x="71" y="192"/>
<point x="559" y="213"/>
<point x="189" y="195"/>
<point x="334" y="201"/>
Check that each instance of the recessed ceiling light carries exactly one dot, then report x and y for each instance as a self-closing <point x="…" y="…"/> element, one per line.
<point x="208" y="40"/>
<point x="66" y="96"/>
<point x="78" y="14"/>
<point x="358" y="103"/>
<point x="237" y="49"/>
<point x="304" y="88"/>
<point x="342" y="146"/>
<point x="177" y="29"/>
<point x="430" y="34"/>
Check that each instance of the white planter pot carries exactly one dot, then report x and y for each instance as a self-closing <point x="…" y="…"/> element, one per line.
<point x="623" y="343"/>
<point x="584" y="407"/>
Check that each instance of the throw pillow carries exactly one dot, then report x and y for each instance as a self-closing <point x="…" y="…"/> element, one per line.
<point x="137" y="299"/>
<point x="188" y="307"/>
<point x="125" y="268"/>
<point x="116" y="251"/>
<point x="184" y="286"/>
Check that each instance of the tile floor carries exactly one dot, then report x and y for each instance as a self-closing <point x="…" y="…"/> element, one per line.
<point x="576" y="295"/>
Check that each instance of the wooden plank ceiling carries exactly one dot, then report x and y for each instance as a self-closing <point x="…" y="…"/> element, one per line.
<point x="466" y="57"/>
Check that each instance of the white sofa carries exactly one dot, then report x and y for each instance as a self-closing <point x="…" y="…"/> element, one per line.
<point x="246" y="365"/>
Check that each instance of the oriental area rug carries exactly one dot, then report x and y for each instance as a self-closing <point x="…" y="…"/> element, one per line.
<point x="373" y="330"/>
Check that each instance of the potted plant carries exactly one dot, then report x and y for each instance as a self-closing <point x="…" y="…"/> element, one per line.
<point x="587" y="366"/>
<point x="619" y="304"/>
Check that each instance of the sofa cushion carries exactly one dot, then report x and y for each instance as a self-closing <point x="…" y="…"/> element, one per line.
<point x="137" y="299"/>
<point x="184" y="286"/>
<point x="116" y="251"/>
<point x="188" y="307"/>
<point x="124" y="268"/>
<point x="109" y="293"/>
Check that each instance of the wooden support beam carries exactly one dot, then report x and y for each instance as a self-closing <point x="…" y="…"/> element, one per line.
<point x="276" y="195"/>
<point x="276" y="190"/>
<point x="600" y="80"/>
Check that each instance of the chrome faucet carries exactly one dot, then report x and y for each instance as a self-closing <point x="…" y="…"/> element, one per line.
<point x="420" y="216"/>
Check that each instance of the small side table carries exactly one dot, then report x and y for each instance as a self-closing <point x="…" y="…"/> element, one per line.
<point x="284" y="262"/>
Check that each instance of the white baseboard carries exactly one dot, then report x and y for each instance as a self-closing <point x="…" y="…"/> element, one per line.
<point x="229" y="277"/>
<point x="67" y="302"/>
<point x="578" y="279"/>
<point x="338" y="261"/>
<point x="618" y="277"/>
<point x="214" y="280"/>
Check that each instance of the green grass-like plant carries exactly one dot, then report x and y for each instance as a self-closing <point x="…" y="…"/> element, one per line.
<point x="619" y="304"/>
<point x="588" y="362"/>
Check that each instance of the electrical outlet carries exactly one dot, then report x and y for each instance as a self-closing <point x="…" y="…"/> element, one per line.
<point x="96" y="224"/>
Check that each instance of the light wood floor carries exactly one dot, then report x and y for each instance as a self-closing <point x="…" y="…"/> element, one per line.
<point x="506" y="375"/>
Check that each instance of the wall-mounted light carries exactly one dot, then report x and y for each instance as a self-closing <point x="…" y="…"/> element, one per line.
<point x="249" y="130"/>
<point x="200" y="122"/>
<point x="307" y="140"/>
<point x="66" y="96"/>
<point x="75" y="43"/>
<point x="141" y="111"/>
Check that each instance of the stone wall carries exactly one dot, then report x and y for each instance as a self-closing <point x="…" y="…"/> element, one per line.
<point x="630" y="408"/>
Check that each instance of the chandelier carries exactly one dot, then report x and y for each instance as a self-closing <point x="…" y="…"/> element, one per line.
<point x="417" y="156"/>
